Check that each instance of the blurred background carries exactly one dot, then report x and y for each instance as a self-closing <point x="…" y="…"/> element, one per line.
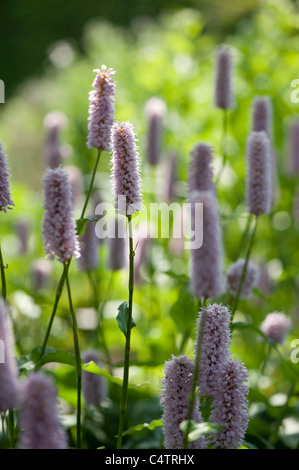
<point x="164" y="49"/>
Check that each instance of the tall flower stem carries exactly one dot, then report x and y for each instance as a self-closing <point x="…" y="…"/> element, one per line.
<point x="77" y="356"/>
<point x="249" y="249"/>
<point x="195" y="376"/>
<point x="54" y="309"/>
<point x="244" y="235"/>
<point x="123" y="402"/>
<point x="62" y="278"/>
<point x="3" y="279"/>
<point x="89" y="190"/>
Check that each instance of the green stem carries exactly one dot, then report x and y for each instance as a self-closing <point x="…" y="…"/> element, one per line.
<point x="77" y="356"/>
<point x="244" y="236"/>
<point x="123" y="402"/>
<point x="3" y="267"/>
<point x="249" y="249"/>
<point x="11" y="427"/>
<point x="89" y="190"/>
<point x="54" y="309"/>
<point x="195" y="376"/>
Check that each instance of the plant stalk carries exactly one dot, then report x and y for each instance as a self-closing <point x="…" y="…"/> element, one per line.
<point x="77" y="356"/>
<point x="123" y="403"/>
<point x="3" y="279"/>
<point x="249" y="249"/>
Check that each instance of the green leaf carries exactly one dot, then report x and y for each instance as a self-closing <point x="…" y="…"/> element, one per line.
<point x="139" y="427"/>
<point x="94" y="369"/>
<point x="26" y="363"/>
<point x="53" y="355"/>
<point x="122" y="318"/>
<point x="197" y="430"/>
<point x="80" y="223"/>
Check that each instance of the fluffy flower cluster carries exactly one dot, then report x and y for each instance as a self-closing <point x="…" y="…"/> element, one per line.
<point x="230" y="406"/>
<point x="221" y="378"/>
<point x="125" y="169"/>
<point x="174" y="399"/>
<point x="40" y="424"/>
<point x="9" y="386"/>
<point x="101" y="109"/>
<point x="5" y="197"/>
<point x="155" y="109"/>
<point x="94" y="387"/>
<point x="223" y="85"/>
<point x="276" y="326"/>
<point x="200" y="169"/>
<point x="259" y="174"/>
<point x="53" y="124"/>
<point x="262" y="115"/>
<point x="214" y="348"/>
<point x="234" y="275"/>
<point x="59" y="231"/>
<point x="206" y="275"/>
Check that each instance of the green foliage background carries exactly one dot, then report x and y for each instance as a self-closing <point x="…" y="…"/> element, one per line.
<point x="170" y="56"/>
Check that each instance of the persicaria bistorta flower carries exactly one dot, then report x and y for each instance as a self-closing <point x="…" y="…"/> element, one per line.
<point x="40" y="424"/>
<point x="101" y="109"/>
<point x="214" y="335"/>
<point x="53" y="123"/>
<point x="9" y="385"/>
<point x="155" y="109"/>
<point x="262" y="115"/>
<point x="59" y="230"/>
<point x="94" y="387"/>
<point x="229" y="406"/>
<point x="223" y="81"/>
<point x="5" y="196"/>
<point x="125" y="169"/>
<point x="206" y="278"/>
<point x="234" y="277"/>
<point x="276" y="326"/>
<point x="259" y="175"/>
<point x="174" y="399"/>
<point x="200" y="174"/>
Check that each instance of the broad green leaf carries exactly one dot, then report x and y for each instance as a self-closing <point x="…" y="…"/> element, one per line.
<point x="122" y="318"/>
<point x="139" y="427"/>
<point x="94" y="369"/>
<point x="53" y="355"/>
